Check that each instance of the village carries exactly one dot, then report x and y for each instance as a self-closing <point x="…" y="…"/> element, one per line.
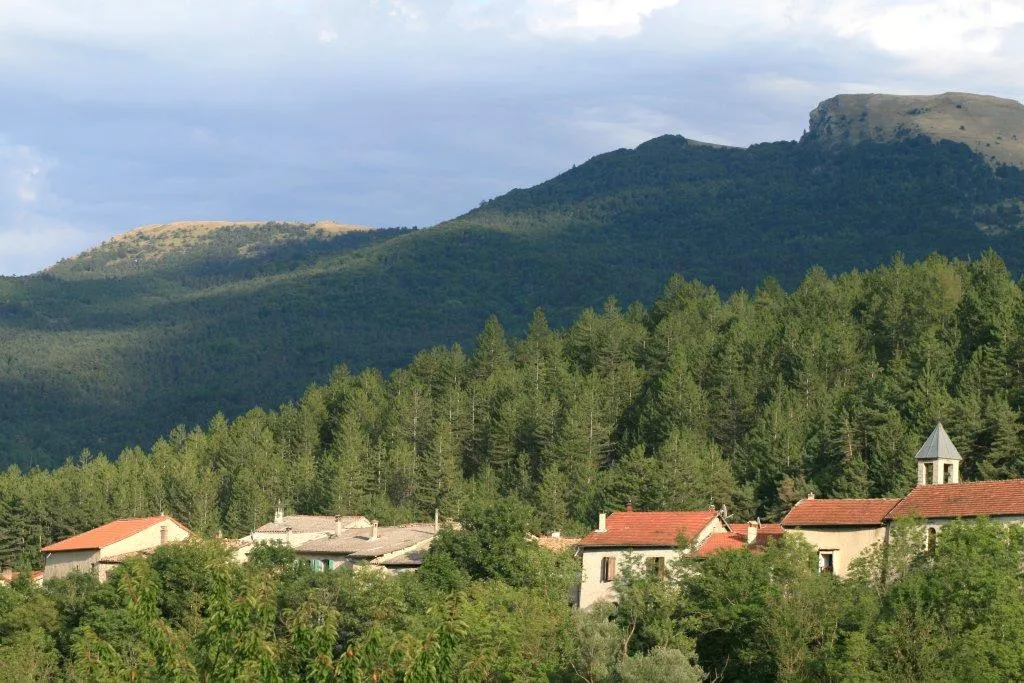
<point x="840" y="530"/>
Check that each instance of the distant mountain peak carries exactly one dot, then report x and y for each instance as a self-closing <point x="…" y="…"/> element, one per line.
<point x="223" y="239"/>
<point x="991" y="126"/>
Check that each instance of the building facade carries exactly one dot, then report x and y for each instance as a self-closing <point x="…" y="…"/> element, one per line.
<point x="99" y="550"/>
<point x="842" y="529"/>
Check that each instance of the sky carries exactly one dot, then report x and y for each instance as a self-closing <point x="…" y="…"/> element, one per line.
<point x="119" y="113"/>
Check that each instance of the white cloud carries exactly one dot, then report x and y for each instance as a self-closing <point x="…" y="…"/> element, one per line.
<point x="394" y="111"/>
<point x="30" y="238"/>
<point x="591" y="18"/>
<point x="327" y="35"/>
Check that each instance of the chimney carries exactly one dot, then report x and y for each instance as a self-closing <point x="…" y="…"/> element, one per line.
<point x="279" y="513"/>
<point x="437" y="521"/>
<point x="810" y="496"/>
<point x="373" y="534"/>
<point x="288" y="536"/>
<point x="602" y="522"/>
<point x="163" y="534"/>
<point x="724" y="513"/>
<point x="629" y="506"/>
<point x="337" y="525"/>
<point x="556" y="534"/>
<point x="752" y="529"/>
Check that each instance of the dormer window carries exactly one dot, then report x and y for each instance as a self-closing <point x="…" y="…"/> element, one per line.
<point x="947" y="474"/>
<point x="929" y="473"/>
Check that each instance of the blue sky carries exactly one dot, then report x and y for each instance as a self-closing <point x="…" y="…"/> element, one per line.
<point x="118" y="113"/>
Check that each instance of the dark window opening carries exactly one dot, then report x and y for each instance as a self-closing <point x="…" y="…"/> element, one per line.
<point x="932" y="533"/>
<point x="826" y="563"/>
<point x="607" y="569"/>
<point x="947" y="474"/>
<point x="929" y="473"/>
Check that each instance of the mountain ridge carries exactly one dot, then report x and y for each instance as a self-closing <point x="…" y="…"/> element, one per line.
<point x="104" y="351"/>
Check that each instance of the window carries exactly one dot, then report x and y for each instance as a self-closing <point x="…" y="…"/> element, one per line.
<point x="929" y="473"/>
<point x="656" y="566"/>
<point x="947" y="473"/>
<point x="607" y="569"/>
<point x="930" y="542"/>
<point x="317" y="565"/>
<point x="328" y="565"/>
<point x="826" y="562"/>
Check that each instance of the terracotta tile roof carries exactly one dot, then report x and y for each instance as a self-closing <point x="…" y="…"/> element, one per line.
<point x="737" y="539"/>
<point x="839" y="512"/>
<point x="108" y="534"/>
<point x="963" y="500"/>
<point x="648" y="529"/>
<point x="734" y="540"/>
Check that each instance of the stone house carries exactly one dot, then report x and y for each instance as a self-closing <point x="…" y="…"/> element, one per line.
<point x="101" y="549"/>
<point x="391" y="549"/>
<point x="295" y="530"/>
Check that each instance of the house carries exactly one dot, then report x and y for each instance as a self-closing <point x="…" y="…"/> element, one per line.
<point x="294" y="530"/>
<point x="386" y="548"/>
<point x="654" y="539"/>
<point x="842" y="529"/>
<point x="101" y="549"/>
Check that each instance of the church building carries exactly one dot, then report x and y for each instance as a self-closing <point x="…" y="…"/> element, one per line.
<point x="841" y="529"/>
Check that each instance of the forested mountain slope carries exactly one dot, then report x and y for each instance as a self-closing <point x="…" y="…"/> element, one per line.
<point x="98" y="355"/>
<point x="753" y="401"/>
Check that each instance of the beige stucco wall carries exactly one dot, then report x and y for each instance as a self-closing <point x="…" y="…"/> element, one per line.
<point x="593" y="590"/>
<point x="145" y="539"/>
<point x="59" y="565"/>
<point x="845" y="542"/>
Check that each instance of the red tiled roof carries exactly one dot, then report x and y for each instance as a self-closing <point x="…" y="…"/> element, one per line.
<point x="105" y="535"/>
<point x="648" y="529"/>
<point x="737" y="539"/>
<point x="963" y="500"/>
<point x="839" y="512"/>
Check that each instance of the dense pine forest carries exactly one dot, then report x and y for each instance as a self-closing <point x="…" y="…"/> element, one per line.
<point x="115" y="347"/>
<point x="751" y="400"/>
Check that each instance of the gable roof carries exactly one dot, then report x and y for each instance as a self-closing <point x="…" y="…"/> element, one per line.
<point x="359" y="544"/>
<point x="648" y="529"/>
<point x="963" y="500"/>
<point x="313" y="523"/>
<point x="938" y="445"/>
<point x="108" y="534"/>
<point x="839" y="512"/>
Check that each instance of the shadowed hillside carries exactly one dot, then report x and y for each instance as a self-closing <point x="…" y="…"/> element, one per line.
<point x="114" y="348"/>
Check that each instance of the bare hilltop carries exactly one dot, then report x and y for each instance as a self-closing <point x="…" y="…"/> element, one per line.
<point x="992" y="126"/>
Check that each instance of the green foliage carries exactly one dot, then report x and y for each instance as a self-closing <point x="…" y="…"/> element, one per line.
<point x="116" y="347"/>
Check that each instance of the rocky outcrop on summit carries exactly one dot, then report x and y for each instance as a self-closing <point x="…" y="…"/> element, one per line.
<point x="992" y="126"/>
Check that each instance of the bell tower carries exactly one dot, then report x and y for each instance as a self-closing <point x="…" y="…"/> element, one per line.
<point x="938" y="461"/>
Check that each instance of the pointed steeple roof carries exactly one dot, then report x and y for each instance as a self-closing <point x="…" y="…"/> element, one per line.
<point x="938" y="446"/>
